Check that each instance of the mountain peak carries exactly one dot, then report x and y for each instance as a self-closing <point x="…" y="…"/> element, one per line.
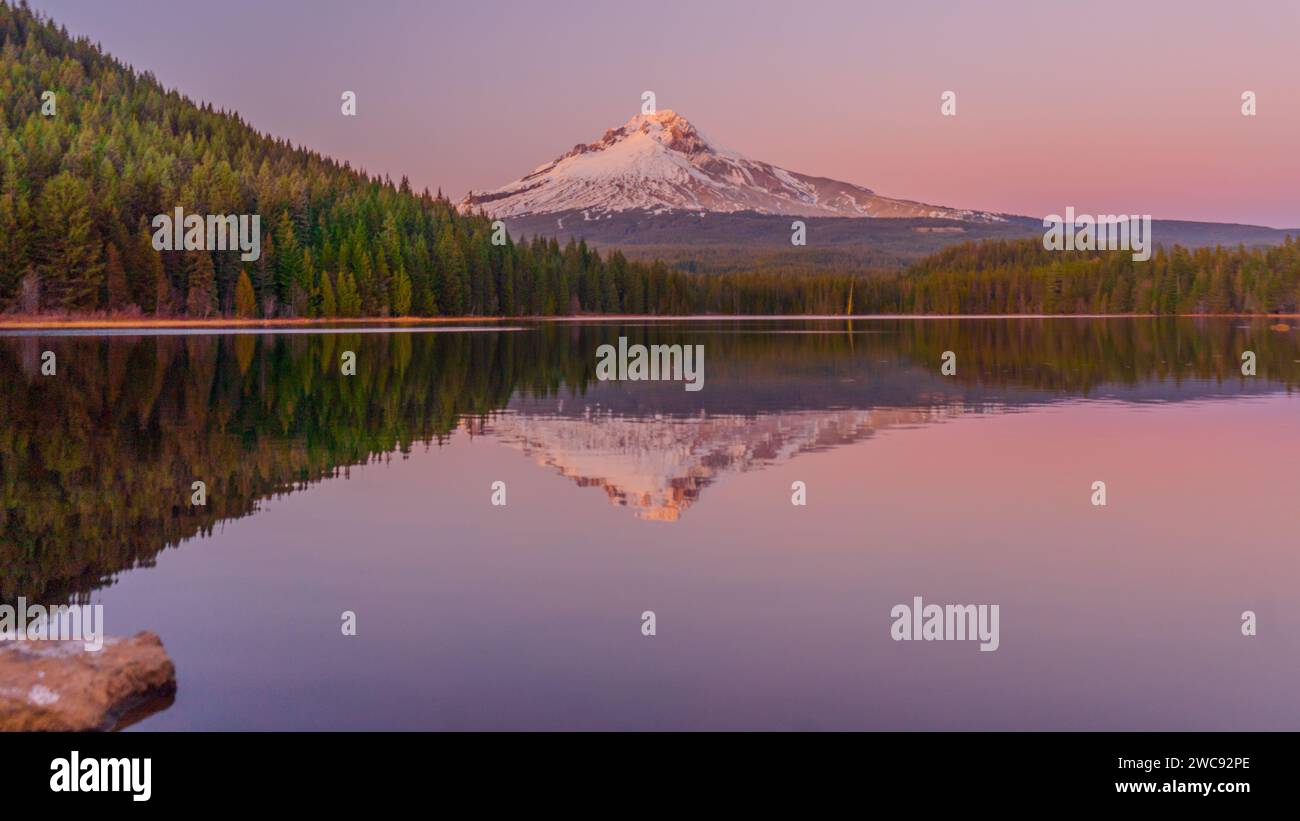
<point x="664" y="118"/>
<point x="661" y="162"/>
<point x="663" y="115"/>
<point x="663" y="121"/>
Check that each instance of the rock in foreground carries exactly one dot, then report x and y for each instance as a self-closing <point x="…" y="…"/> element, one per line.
<point x="59" y="686"/>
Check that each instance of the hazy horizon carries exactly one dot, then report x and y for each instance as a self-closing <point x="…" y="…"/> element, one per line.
<point x="1132" y="111"/>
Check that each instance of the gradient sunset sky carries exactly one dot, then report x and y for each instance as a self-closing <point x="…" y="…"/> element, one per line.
<point x="1110" y="107"/>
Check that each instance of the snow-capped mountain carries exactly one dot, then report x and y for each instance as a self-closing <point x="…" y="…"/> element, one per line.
<point x="660" y="162"/>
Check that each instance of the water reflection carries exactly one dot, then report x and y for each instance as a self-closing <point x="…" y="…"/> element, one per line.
<point x="658" y="466"/>
<point x="97" y="462"/>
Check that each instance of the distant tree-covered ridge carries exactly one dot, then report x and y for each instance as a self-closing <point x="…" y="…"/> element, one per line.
<point x="92" y="150"/>
<point x="1018" y="276"/>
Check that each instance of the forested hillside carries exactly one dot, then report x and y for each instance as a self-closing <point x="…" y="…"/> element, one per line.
<point x="80" y="186"/>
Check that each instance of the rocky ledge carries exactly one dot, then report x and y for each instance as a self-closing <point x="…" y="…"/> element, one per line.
<point x="60" y="686"/>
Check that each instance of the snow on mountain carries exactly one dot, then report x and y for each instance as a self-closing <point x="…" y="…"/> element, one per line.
<point x="658" y="467"/>
<point x="661" y="162"/>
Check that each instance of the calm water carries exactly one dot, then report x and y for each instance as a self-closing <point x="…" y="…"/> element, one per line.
<point x="372" y="493"/>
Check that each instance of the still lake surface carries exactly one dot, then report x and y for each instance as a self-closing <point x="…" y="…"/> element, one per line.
<point x="372" y="493"/>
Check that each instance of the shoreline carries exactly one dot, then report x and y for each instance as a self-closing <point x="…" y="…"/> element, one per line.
<point x="128" y="323"/>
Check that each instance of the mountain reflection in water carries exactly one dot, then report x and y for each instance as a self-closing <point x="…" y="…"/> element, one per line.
<point x="97" y="461"/>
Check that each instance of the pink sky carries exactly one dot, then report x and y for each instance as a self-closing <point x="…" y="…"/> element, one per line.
<point x="1111" y="107"/>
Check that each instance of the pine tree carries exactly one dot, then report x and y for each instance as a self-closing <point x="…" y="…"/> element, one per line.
<point x="301" y="291"/>
<point x="201" y="288"/>
<point x="288" y="258"/>
<point x="245" y="298"/>
<point x="69" y="252"/>
<point x="349" y="300"/>
<point x="164" y="296"/>
<point x="265" y="283"/>
<point x="401" y="298"/>
<point x="451" y="269"/>
<point x="117" y="296"/>
<point x="13" y="244"/>
<point x="383" y="284"/>
<point x="328" y="304"/>
<point x="506" y="289"/>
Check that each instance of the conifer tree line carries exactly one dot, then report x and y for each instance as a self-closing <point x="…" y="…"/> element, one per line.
<point x="1020" y="276"/>
<point x="79" y="189"/>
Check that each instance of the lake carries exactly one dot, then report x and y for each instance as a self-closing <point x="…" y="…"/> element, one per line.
<point x="374" y="494"/>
